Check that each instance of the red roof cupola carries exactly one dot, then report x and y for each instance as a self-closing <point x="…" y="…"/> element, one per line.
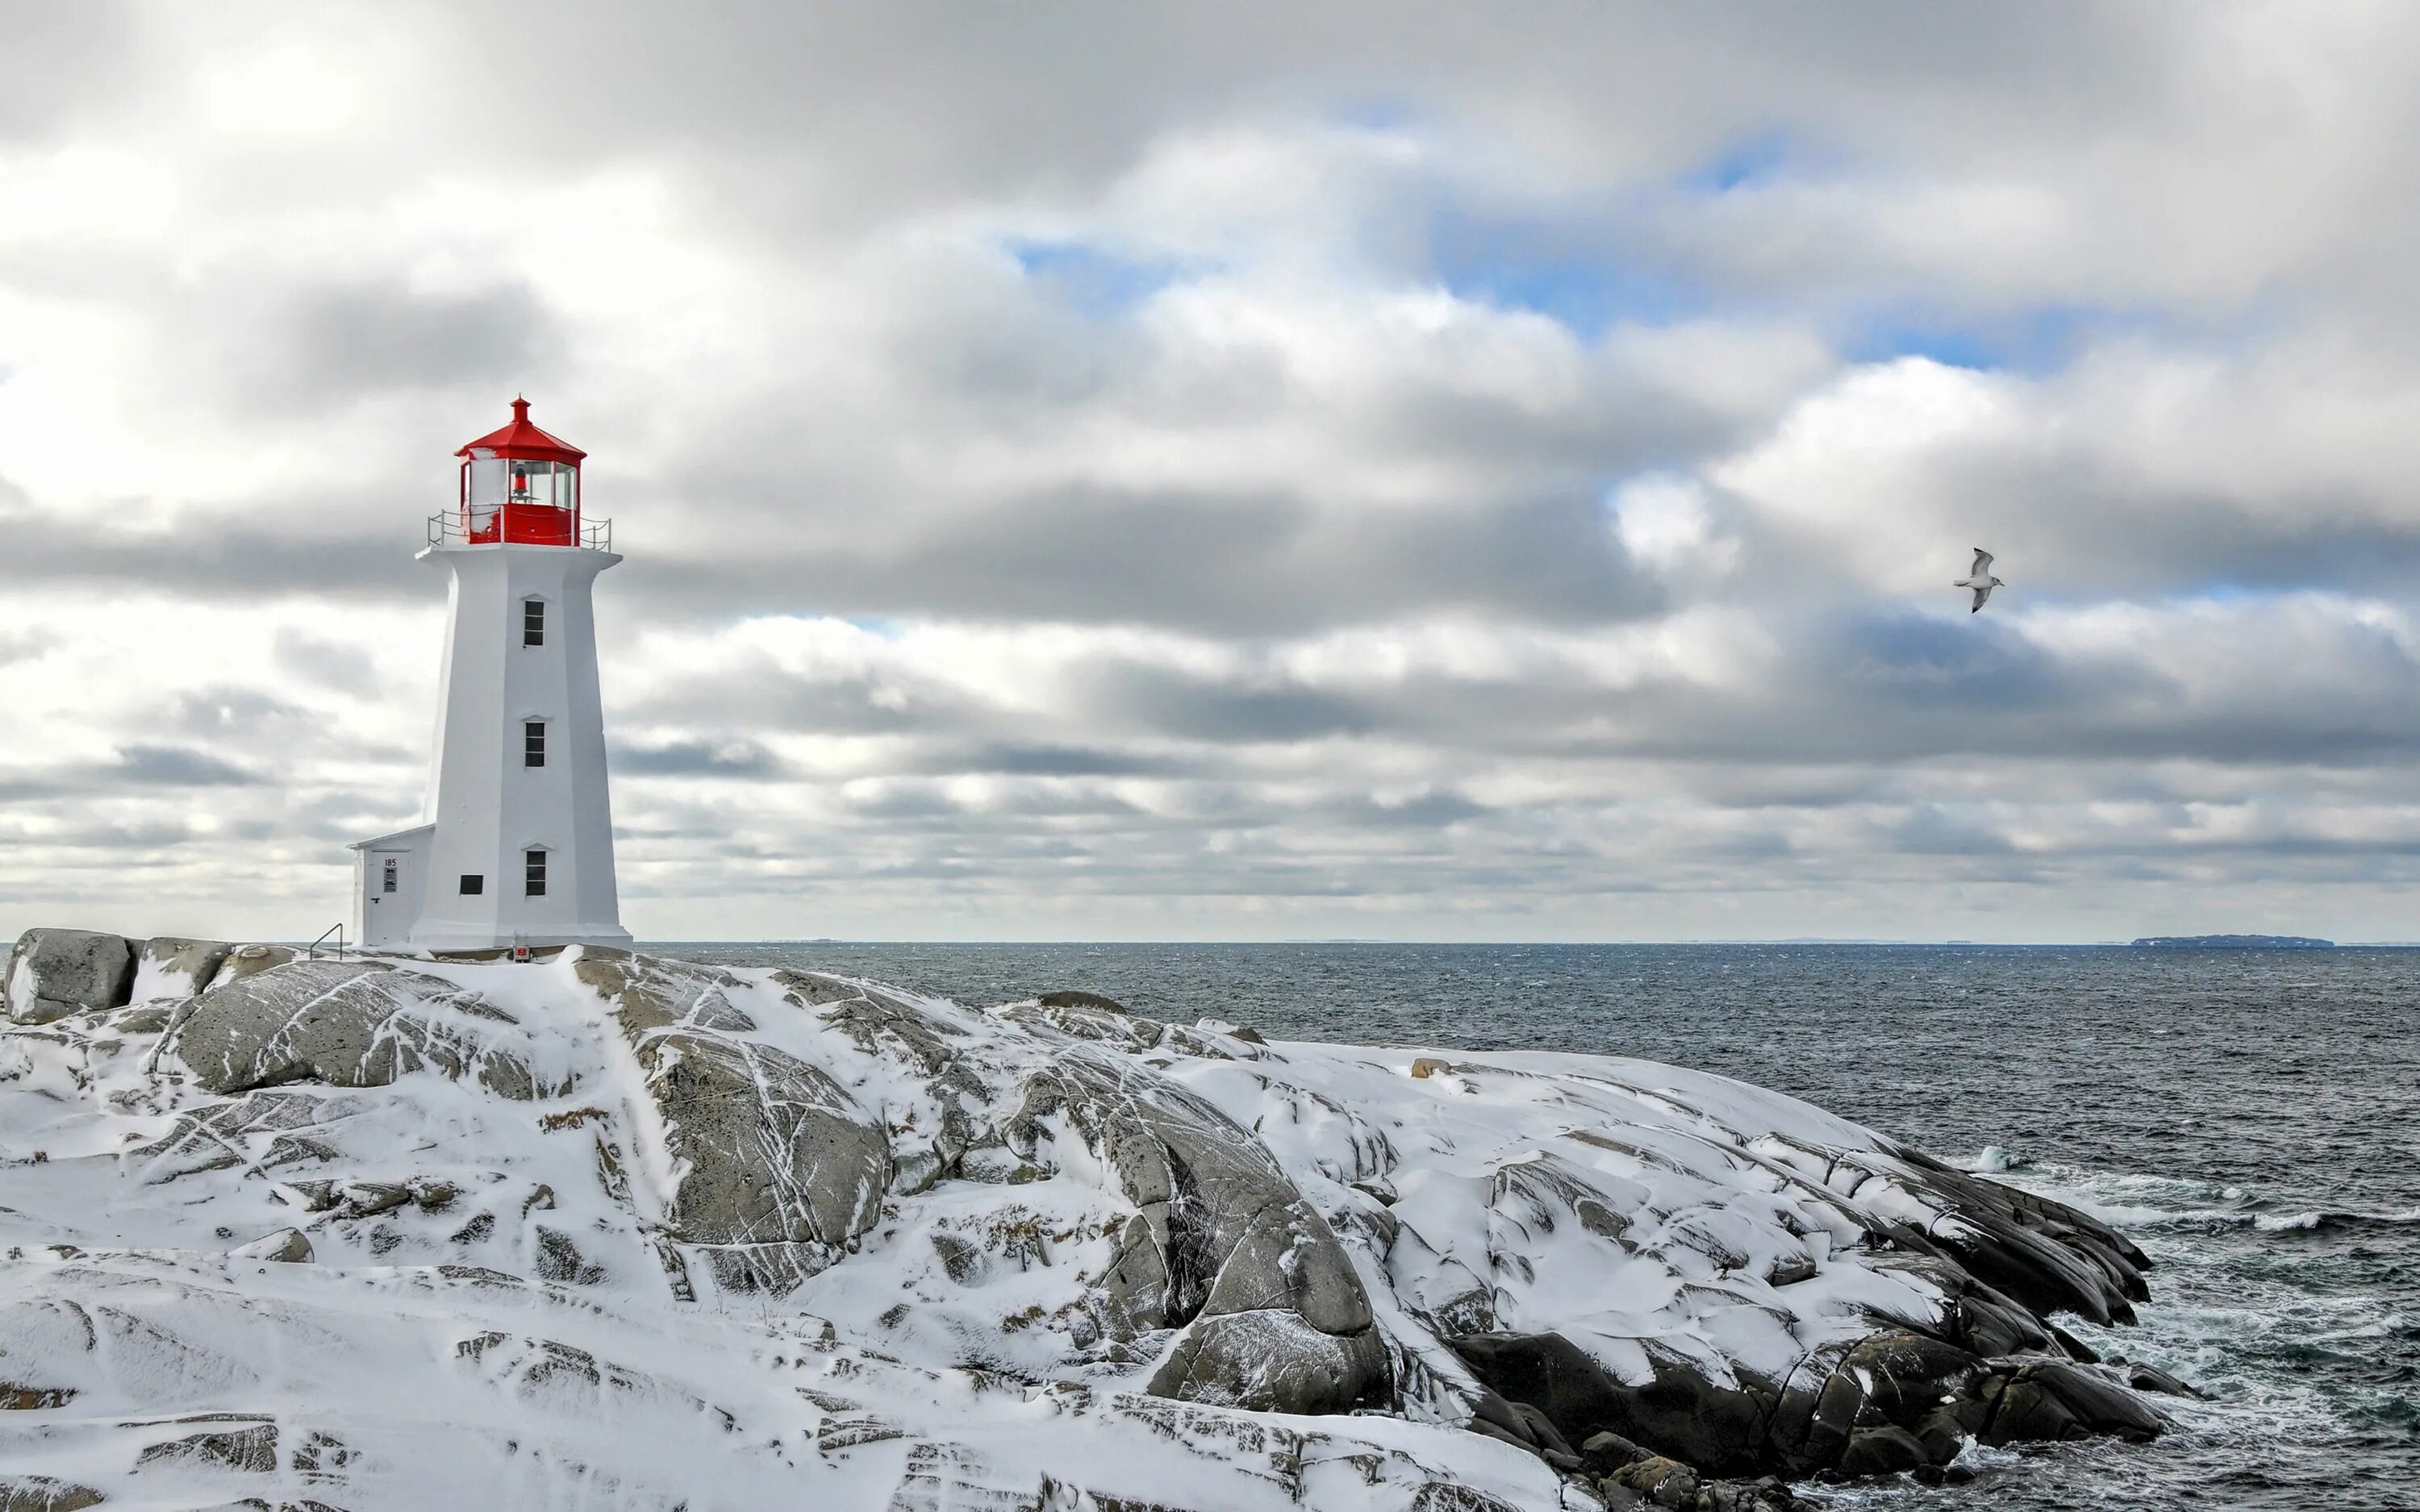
<point x="520" y="486"/>
<point x="523" y="440"/>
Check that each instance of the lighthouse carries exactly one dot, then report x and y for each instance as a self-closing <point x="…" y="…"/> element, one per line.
<point x="516" y="840"/>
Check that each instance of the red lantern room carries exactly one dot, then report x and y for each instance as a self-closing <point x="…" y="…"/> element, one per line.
<point x="520" y="486"/>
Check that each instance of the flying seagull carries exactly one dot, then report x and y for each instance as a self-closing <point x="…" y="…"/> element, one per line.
<point x="1980" y="578"/>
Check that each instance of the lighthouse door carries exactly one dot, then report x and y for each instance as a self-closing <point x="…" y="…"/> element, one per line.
<point x="387" y="901"/>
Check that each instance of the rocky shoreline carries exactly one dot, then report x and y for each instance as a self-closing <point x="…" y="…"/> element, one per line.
<point x="1313" y="1275"/>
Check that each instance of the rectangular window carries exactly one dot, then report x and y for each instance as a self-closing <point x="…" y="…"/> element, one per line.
<point x="534" y="873"/>
<point x="533" y="743"/>
<point x="387" y="884"/>
<point x="473" y="883"/>
<point x="533" y="622"/>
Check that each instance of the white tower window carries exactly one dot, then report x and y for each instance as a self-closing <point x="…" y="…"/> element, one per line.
<point x="533" y="743"/>
<point x="533" y="874"/>
<point x="533" y="621"/>
<point x="473" y="883"/>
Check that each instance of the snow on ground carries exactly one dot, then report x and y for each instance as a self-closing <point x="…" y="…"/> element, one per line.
<point x="601" y="1232"/>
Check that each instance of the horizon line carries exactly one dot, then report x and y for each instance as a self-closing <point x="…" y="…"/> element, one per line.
<point x="1344" y="939"/>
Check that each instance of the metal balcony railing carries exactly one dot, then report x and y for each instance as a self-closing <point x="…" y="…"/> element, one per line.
<point x="518" y="524"/>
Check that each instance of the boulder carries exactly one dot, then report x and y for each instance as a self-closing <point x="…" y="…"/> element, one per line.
<point x="1658" y="1481"/>
<point x="252" y="1449"/>
<point x="1679" y="1415"/>
<point x="249" y="960"/>
<point x="1290" y="1259"/>
<point x="1232" y="1232"/>
<point x="16" y="1398"/>
<point x="1269" y="1360"/>
<point x="2047" y="1256"/>
<point x="881" y="1024"/>
<point x="171" y="966"/>
<point x="1890" y="1379"/>
<point x="771" y="1150"/>
<point x="42" y="1494"/>
<point x="1220" y="1232"/>
<point x="56" y="972"/>
<point x="288" y="1246"/>
<point x="1885" y="1450"/>
<point x="2060" y="1399"/>
<point x="1988" y="1323"/>
<point x="1889" y="1402"/>
<point x="1606" y="1451"/>
<point x="1086" y="1016"/>
<point x="366" y="1199"/>
<point x="762" y="1270"/>
<point x="649" y="994"/>
<point x="2151" y="1378"/>
<point x="353" y="1025"/>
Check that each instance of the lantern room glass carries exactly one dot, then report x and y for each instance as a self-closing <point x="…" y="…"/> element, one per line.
<point x="490" y="480"/>
<point x="519" y="500"/>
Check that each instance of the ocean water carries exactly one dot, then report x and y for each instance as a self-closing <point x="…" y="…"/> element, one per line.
<point x="2250" y="1118"/>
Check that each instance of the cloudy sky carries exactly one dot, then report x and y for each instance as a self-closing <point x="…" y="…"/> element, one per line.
<point x="1241" y="471"/>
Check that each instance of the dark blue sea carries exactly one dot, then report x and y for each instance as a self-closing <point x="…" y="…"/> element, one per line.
<point x="2250" y="1118"/>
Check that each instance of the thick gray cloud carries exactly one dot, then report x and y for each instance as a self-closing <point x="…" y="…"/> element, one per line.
<point x="209" y="558"/>
<point x="318" y="347"/>
<point x="132" y="766"/>
<point x="742" y="759"/>
<point x="1277" y="470"/>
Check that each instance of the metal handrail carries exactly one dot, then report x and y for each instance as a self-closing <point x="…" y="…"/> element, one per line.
<point x="452" y="526"/>
<point x="311" y="951"/>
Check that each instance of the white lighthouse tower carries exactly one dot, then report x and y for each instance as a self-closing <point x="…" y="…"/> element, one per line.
<point x="516" y="846"/>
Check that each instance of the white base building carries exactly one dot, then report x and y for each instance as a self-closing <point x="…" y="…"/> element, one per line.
<point x="516" y="843"/>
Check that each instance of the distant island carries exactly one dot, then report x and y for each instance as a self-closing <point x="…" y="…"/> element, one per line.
<point x="2233" y="942"/>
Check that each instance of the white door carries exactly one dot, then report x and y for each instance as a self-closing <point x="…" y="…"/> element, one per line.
<point x="387" y="898"/>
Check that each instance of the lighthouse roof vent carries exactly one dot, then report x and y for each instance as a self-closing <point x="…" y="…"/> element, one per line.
<point x="522" y="441"/>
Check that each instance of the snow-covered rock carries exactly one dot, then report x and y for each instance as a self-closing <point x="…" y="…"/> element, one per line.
<point x="606" y="1230"/>
<point x="287" y="1244"/>
<point x="55" y="972"/>
<point x="243" y="960"/>
<point x="352" y="1023"/>
<point x="171" y="966"/>
<point x="772" y="1150"/>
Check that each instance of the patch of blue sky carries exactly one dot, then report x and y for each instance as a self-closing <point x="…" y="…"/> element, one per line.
<point x="2242" y="593"/>
<point x="2311" y="583"/>
<point x="1746" y="163"/>
<point x="2034" y="340"/>
<point x="1579" y="272"/>
<point x="1946" y="655"/>
<point x="881" y="625"/>
<point x="1380" y="114"/>
<point x="1548" y="269"/>
<point x="1094" y="278"/>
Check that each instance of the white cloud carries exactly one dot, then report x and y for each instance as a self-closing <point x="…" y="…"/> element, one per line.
<point x="1665" y="522"/>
